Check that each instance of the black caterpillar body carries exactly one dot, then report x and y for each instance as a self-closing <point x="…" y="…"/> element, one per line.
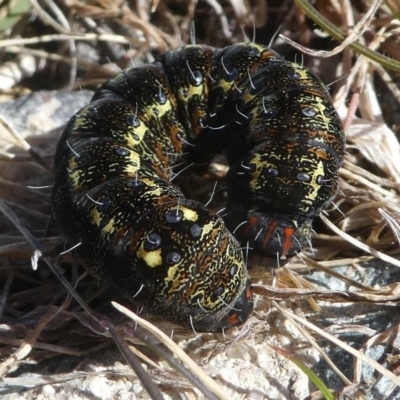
<point x="284" y="142"/>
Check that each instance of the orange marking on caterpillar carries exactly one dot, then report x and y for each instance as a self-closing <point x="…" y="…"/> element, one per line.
<point x="287" y="244"/>
<point x="251" y="223"/>
<point x="233" y="319"/>
<point x="271" y="229"/>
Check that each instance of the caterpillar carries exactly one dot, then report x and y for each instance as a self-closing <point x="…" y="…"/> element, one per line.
<point x="113" y="196"/>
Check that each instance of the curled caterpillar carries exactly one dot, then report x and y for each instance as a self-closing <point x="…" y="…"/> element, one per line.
<point x="284" y="143"/>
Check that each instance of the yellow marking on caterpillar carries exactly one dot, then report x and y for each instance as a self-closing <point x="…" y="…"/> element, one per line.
<point x="190" y="92"/>
<point x="134" y="165"/>
<point x="161" y="108"/>
<point x="247" y="97"/>
<point x="207" y="228"/>
<point x="300" y="70"/>
<point x="148" y="182"/>
<point x="189" y="214"/>
<point x="75" y="177"/>
<point x="109" y="228"/>
<point x="72" y="163"/>
<point x="140" y="131"/>
<point x="83" y="117"/>
<point x="260" y="165"/>
<point x="131" y="169"/>
<point x="96" y="216"/>
<point x="257" y="46"/>
<point x="314" y="185"/>
<point x="155" y="192"/>
<point x="171" y="273"/>
<point x="225" y="85"/>
<point x="195" y="90"/>
<point x="321" y="108"/>
<point x="153" y="258"/>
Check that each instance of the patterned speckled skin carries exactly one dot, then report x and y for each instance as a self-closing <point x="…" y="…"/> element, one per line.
<point x="284" y="143"/>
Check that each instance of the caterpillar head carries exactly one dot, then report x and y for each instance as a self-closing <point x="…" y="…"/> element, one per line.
<point x="193" y="267"/>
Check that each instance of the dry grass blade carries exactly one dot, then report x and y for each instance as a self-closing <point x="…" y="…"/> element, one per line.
<point x="299" y="284"/>
<point x="353" y="36"/>
<point x="12" y="73"/>
<point x="109" y="38"/>
<point x="314" y="344"/>
<point x="321" y="267"/>
<point x="360" y="245"/>
<point x="44" y="346"/>
<point x="38" y="379"/>
<point x="359" y="355"/>
<point x="387" y="339"/>
<point x="133" y="361"/>
<point x="389" y="295"/>
<point x="26" y="346"/>
<point x="378" y="144"/>
<point x="176" y="351"/>
<point x="24" y="145"/>
<point x="37" y="246"/>
<point x="394" y="225"/>
<point x="339" y="35"/>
